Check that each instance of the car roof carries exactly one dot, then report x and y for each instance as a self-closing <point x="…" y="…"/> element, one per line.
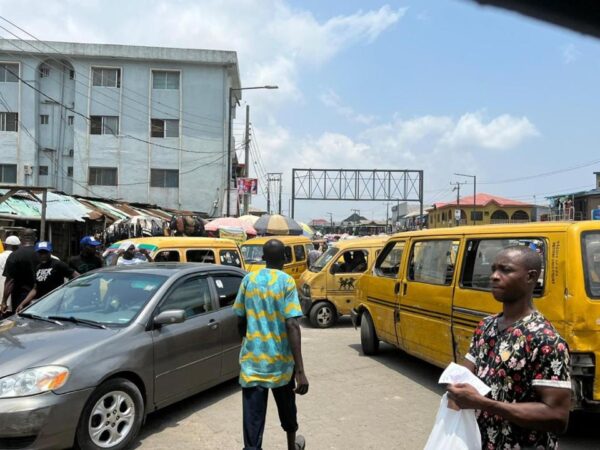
<point x="172" y="269"/>
<point x="283" y="239"/>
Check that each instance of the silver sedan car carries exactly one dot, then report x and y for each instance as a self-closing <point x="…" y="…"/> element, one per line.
<point x="84" y="365"/>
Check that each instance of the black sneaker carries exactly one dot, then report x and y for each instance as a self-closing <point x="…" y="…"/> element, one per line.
<point x="300" y="442"/>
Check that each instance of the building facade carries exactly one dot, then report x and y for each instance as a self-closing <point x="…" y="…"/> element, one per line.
<point x="142" y="124"/>
<point x="486" y="209"/>
<point x="581" y="205"/>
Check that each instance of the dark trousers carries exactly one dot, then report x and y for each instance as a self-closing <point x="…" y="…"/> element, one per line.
<point x="255" y="412"/>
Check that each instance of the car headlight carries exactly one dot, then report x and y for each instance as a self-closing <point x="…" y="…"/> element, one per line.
<point x="33" y="381"/>
<point x="306" y="290"/>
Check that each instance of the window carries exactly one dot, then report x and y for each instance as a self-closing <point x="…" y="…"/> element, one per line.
<point x="227" y="288"/>
<point x="9" y="121"/>
<point x="8" y="173"/>
<point x="388" y="262"/>
<point x="477" y="215"/>
<point x="230" y="258"/>
<point x="106" y="77"/>
<point x="103" y="176"/>
<point x="200" y="256"/>
<point x="44" y="71"/>
<point x="433" y="262"/>
<point x="9" y="73"/>
<point x="164" y="128"/>
<point x="44" y="119"/>
<point x="164" y="178"/>
<point x="352" y="261"/>
<point x="590" y="246"/>
<point x="43" y="170"/>
<point x="287" y="254"/>
<point x="162" y="79"/>
<point x="104" y="125"/>
<point x="480" y="254"/>
<point x="71" y="74"/>
<point x="167" y="256"/>
<point x="299" y="253"/>
<point x="192" y="296"/>
<point x="70" y="171"/>
<point x="70" y="120"/>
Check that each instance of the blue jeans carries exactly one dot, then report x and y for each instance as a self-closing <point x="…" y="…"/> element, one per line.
<point x="255" y="401"/>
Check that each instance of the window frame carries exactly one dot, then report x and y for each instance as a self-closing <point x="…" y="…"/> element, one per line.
<point x="44" y="119"/>
<point x="343" y="253"/>
<point x="296" y="248"/>
<point x="4" y="121"/>
<point x="101" y="168"/>
<point x="164" y="176"/>
<point x="159" y="128"/>
<point x="102" y="76"/>
<point x="239" y="256"/>
<point x="467" y="240"/>
<point x="214" y="277"/>
<point x="586" y="269"/>
<point x="413" y="244"/>
<point x="187" y="250"/>
<point x="383" y="253"/>
<point x="2" y="173"/>
<point x="180" y="282"/>
<point x="5" y="73"/>
<point x="102" y="126"/>
<point x="43" y="169"/>
<point x="166" y="80"/>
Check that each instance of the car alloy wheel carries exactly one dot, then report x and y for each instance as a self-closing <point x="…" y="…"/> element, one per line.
<point x="112" y="419"/>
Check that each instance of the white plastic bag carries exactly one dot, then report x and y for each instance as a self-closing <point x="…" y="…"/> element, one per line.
<point x="454" y="430"/>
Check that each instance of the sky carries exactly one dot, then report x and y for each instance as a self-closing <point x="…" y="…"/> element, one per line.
<point x="443" y="86"/>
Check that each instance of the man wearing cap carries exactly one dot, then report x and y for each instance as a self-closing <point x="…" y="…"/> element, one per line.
<point x="126" y="255"/>
<point x="20" y="271"/>
<point x="88" y="259"/>
<point x="10" y="245"/>
<point x="49" y="275"/>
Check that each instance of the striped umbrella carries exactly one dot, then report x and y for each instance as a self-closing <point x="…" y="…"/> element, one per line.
<point x="249" y="218"/>
<point x="275" y="224"/>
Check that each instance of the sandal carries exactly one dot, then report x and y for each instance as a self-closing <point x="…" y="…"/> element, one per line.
<point x="300" y="442"/>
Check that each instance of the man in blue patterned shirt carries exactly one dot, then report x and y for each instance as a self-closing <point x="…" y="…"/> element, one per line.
<point x="271" y="358"/>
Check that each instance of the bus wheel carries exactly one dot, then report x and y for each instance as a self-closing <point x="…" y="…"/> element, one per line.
<point x="323" y="315"/>
<point x="368" y="337"/>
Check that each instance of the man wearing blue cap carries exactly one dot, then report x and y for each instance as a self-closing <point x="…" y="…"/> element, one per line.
<point x="49" y="275"/>
<point x="88" y="259"/>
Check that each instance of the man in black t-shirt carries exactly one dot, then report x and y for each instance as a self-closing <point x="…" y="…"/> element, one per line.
<point x="19" y="271"/>
<point x="49" y="275"/>
<point x="88" y="259"/>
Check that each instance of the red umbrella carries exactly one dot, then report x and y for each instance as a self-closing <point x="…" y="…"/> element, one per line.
<point x="230" y="222"/>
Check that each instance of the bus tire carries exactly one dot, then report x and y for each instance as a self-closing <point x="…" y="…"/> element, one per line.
<point x="323" y="315"/>
<point x="368" y="337"/>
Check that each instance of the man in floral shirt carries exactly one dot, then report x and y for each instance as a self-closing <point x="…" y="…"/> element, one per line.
<point x="519" y="354"/>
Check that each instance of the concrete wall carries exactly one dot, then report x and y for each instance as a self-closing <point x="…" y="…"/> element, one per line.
<point x="199" y="153"/>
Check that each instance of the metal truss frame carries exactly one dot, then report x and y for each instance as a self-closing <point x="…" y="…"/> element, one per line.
<point x="357" y="185"/>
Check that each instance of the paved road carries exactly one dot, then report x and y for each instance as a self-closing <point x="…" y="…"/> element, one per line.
<point x="355" y="402"/>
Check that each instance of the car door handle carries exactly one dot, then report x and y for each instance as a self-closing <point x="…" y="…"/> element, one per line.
<point x="396" y="288"/>
<point x="213" y="324"/>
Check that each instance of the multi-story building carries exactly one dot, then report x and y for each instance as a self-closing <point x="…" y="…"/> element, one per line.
<point x="142" y="124"/>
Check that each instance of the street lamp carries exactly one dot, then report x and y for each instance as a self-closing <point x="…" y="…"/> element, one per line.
<point x="474" y="192"/>
<point x="229" y="174"/>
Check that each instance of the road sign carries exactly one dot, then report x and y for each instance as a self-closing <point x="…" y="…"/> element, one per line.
<point x="595" y="214"/>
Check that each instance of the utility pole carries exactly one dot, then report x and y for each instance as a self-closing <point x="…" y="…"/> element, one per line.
<point x="275" y="178"/>
<point x="474" y="218"/>
<point x="330" y="221"/>
<point x="457" y="216"/>
<point x="247" y="159"/>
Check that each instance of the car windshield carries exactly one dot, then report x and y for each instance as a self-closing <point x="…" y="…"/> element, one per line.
<point x="253" y="254"/>
<point x="109" y="298"/>
<point x="590" y="246"/>
<point x="324" y="259"/>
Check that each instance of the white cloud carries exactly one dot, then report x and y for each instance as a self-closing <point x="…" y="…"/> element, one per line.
<point x="332" y="100"/>
<point x="570" y="53"/>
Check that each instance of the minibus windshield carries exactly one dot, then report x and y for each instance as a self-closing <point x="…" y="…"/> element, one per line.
<point x="590" y="246"/>
<point x="253" y="254"/>
<point x="324" y="259"/>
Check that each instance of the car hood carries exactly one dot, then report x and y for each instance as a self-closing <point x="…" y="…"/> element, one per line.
<point x="26" y="343"/>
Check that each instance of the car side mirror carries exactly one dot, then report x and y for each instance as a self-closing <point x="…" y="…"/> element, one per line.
<point x="170" y="317"/>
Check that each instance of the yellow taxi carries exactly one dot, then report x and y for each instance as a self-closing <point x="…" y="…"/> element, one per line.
<point x="296" y="254"/>
<point x="185" y="249"/>
<point x="328" y="287"/>
<point x="429" y="289"/>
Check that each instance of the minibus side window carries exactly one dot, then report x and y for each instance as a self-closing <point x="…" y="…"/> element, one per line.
<point x="230" y="258"/>
<point x="352" y="261"/>
<point x="590" y="248"/>
<point x="167" y="256"/>
<point x="480" y="254"/>
<point x="388" y="261"/>
<point x="299" y="253"/>
<point x="200" y="256"/>
<point x="433" y="262"/>
<point x="288" y="254"/>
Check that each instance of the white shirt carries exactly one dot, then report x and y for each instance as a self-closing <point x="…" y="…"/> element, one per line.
<point x="130" y="262"/>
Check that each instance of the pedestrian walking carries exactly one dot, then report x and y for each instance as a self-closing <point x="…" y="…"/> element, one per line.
<point x="49" y="274"/>
<point x="271" y="358"/>
<point x="88" y="258"/>
<point x="20" y="271"/>
<point x="314" y="254"/>
<point x="10" y="245"/>
<point x="522" y="358"/>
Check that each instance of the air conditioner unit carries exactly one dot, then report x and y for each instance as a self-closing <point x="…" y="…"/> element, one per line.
<point x="27" y="169"/>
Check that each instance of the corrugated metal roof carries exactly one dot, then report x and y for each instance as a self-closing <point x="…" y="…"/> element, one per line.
<point x="59" y="208"/>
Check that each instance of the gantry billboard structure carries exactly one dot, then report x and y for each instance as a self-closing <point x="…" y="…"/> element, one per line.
<point x="357" y="185"/>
